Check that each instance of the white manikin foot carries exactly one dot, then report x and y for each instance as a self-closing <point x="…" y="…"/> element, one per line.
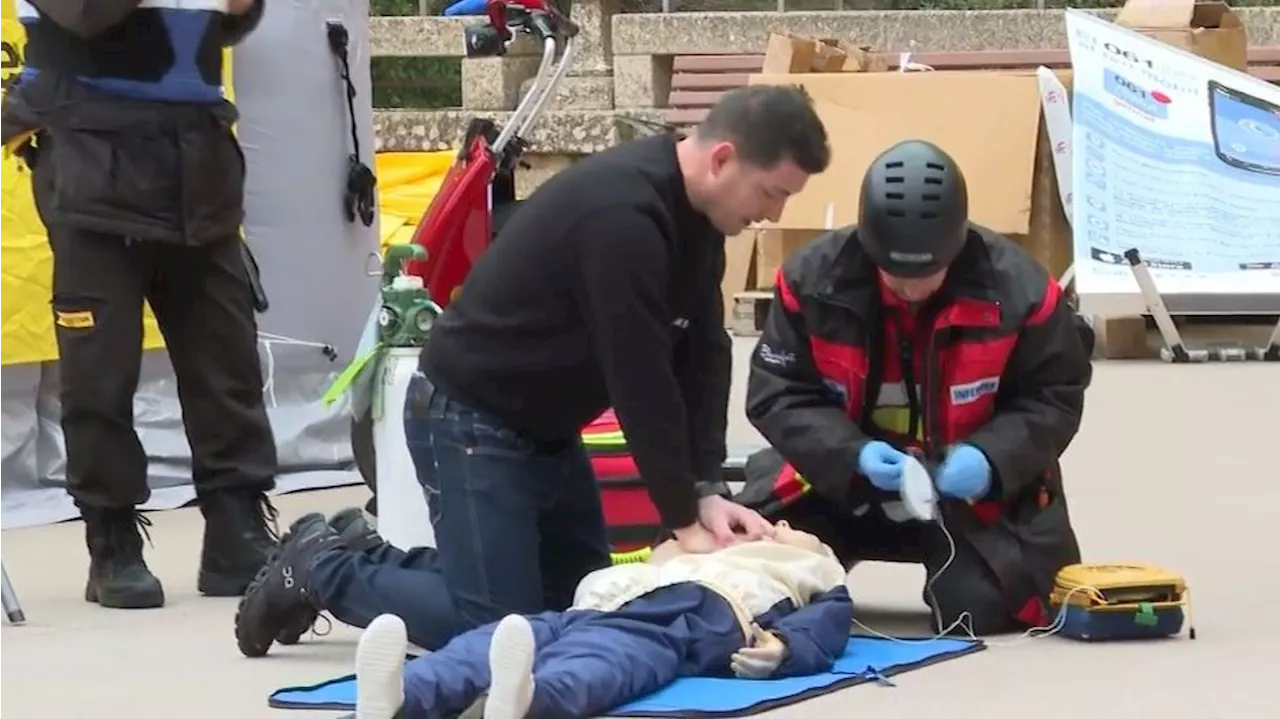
<point x="511" y="656"/>
<point x="380" y="668"/>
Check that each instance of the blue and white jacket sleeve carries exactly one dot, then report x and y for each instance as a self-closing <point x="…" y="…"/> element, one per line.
<point x="815" y="634"/>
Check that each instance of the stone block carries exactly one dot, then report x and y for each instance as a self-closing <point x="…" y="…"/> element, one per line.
<point x="493" y="83"/>
<point x="538" y="168"/>
<point x="690" y="33"/>
<point x="567" y="132"/>
<point x="579" y="92"/>
<point x="641" y="80"/>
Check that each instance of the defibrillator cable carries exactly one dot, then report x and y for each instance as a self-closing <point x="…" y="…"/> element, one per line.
<point x="964" y="621"/>
<point x="358" y="197"/>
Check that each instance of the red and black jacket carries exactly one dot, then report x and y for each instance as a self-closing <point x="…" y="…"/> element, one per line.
<point x="1006" y="368"/>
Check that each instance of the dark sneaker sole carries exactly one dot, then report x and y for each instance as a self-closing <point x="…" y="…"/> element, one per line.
<point x="144" y="598"/>
<point x="247" y="648"/>
<point x="295" y="629"/>
<point x="288" y="634"/>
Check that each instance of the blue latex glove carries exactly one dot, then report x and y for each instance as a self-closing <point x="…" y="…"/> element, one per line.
<point x="882" y="464"/>
<point x="966" y="473"/>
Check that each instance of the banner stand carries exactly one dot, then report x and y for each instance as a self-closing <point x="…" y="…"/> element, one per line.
<point x="1175" y="350"/>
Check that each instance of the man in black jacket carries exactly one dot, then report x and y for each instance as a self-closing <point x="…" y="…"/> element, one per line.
<point x="140" y="184"/>
<point x="919" y="332"/>
<point x="602" y="290"/>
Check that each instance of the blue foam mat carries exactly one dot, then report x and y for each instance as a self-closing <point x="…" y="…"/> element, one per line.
<point x="865" y="659"/>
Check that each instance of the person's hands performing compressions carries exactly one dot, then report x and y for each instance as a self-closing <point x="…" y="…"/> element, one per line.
<point x="882" y="465"/>
<point x="721" y="522"/>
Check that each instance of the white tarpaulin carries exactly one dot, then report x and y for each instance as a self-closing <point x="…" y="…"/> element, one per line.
<point x="295" y="131"/>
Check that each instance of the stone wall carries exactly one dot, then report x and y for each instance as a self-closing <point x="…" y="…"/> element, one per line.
<point x="622" y="64"/>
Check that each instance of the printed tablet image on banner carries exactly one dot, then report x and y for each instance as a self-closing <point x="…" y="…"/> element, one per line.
<point x="1152" y="103"/>
<point x="1246" y="130"/>
<point x="1114" y="258"/>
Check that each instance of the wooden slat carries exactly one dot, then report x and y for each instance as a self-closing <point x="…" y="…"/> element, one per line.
<point x="717" y="63"/>
<point x="683" y="117"/>
<point x="689" y="98"/>
<point x="709" y="81"/>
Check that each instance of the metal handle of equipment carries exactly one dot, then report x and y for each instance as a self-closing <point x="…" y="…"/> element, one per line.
<point x="548" y="78"/>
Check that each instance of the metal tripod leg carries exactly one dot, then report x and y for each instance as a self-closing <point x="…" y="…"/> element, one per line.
<point x="12" y="609"/>
<point x="1174" y="349"/>
<point x="1271" y="353"/>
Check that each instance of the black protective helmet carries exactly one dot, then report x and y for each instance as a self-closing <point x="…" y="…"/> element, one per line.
<point x="914" y="215"/>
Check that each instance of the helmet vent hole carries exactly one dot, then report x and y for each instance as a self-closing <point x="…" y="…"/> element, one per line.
<point x="894" y="180"/>
<point x="928" y="215"/>
<point x="935" y="166"/>
<point x="894" y="165"/>
<point x="895" y="195"/>
<point x="895" y="212"/>
<point x="933" y="180"/>
<point x="929" y="197"/>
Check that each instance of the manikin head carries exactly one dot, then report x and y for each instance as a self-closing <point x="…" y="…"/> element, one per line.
<point x="913" y="217"/>
<point x="783" y="533"/>
<point x="757" y="148"/>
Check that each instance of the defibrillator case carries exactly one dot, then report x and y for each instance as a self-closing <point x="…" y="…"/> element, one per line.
<point x="1107" y="602"/>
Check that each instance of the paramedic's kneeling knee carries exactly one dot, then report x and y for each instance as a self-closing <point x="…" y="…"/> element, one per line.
<point x="965" y="597"/>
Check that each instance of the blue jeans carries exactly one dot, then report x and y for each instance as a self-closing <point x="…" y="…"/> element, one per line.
<point x="588" y="662"/>
<point x="517" y="522"/>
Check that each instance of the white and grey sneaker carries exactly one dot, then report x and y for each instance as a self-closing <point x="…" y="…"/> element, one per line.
<point x="511" y="655"/>
<point x="380" y="668"/>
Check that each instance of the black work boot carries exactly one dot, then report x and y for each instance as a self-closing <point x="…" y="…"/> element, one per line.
<point x="357" y="533"/>
<point x="118" y="575"/>
<point x="358" y="536"/>
<point x="239" y="537"/>
<point x="276" y="602"/>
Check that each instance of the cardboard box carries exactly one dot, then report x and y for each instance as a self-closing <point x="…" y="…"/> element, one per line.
<point x="1211" y="30"/>
<point x="791" y="54"/>
<point x="773" y="247"/>
<point x="1003" y="151"/>
<point x="739" y="267"/>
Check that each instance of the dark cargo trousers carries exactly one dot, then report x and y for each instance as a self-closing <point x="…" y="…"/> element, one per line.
<point x="202" y="300"/>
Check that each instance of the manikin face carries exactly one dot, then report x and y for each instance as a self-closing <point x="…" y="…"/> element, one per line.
<point x="914" y="289"/>
<point x="740" y="194"/>
<point x="782" y="534"/>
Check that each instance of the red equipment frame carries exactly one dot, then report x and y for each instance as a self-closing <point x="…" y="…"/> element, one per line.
<point x="457" y="227"/>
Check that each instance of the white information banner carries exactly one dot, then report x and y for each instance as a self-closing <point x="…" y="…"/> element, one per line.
<point x="1174" y="156"/>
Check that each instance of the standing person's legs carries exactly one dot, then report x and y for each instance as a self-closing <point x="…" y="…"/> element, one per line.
<point x="203" y="302"/>
<point x="98" y="286"/>
<point x="574" y="542"/>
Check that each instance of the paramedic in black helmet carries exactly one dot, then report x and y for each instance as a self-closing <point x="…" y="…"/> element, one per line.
<point x="919" y="332"/>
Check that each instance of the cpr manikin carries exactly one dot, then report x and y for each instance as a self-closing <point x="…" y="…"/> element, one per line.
<point x="769" y="608"/>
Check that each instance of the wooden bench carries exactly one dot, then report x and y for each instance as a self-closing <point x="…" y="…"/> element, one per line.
<point x="697" y="81"/>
